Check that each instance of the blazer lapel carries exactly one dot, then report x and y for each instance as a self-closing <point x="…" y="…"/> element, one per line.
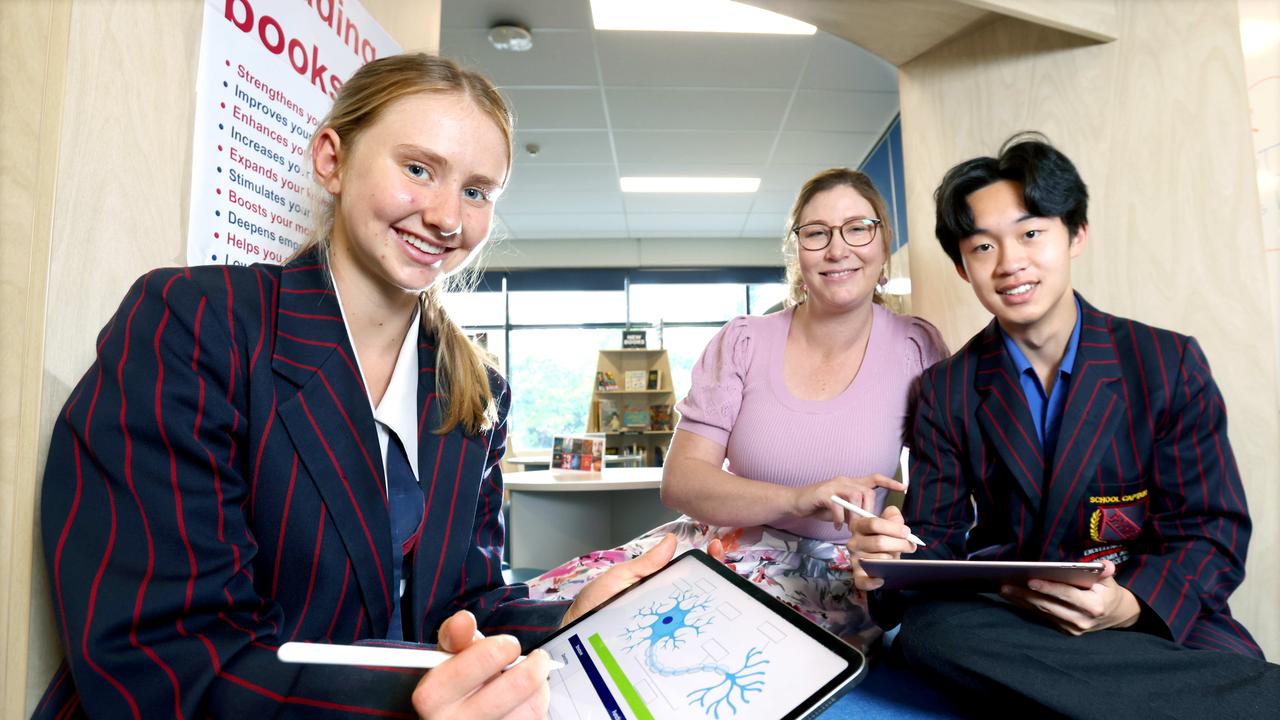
<point x="1090" y="418"/>
<point x="1004" y="417"/>
<point x="448" y="467"/>
<point x="326" y="413"/>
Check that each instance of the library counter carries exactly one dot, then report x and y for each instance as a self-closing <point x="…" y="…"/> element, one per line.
<point x="557" y="515"/>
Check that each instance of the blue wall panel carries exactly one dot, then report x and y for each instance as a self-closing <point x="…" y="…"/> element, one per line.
<point x="899" y="185"/>
<point x="884" y="166"/>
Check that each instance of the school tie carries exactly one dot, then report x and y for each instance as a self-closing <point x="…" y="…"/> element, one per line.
<point x="405" y="501"/>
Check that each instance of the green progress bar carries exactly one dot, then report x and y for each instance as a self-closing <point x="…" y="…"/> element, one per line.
<point x="620" y="679"/>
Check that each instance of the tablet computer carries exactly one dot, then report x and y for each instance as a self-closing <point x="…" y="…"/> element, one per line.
<point x="694" y="640"/>
<point x="977" y="574"/>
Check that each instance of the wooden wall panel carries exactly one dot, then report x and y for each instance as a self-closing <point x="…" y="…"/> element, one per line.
<point x="896" y="30"/>
<point x="415" y="25"/>
<point x="1091" y="18"/>
<point x="901" y="30"/>
<point x="123" y="172"/>
<point x="1260" y="36"/>
<point x="33" y="39"/>
<point x="1158" y="126"/>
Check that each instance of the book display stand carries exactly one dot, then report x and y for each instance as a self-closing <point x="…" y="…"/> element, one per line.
<point x="633" y="404"/>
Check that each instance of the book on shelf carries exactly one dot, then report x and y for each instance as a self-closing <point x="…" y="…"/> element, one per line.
<point x="606" y="381"/>
<point x="634" y="380"/>
<point x="635" y="417"/>
<point x="610" y="415"/>
<point x="660" y="417"/>
<point x="631" y="455"/>
<point x="655" y="380"/>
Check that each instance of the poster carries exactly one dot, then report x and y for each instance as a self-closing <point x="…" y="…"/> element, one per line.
<point x="269" y="70"/>
<point x="583" y="453"/>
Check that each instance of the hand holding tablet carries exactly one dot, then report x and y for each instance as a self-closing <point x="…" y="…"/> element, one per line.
<point x="694" y="640"/>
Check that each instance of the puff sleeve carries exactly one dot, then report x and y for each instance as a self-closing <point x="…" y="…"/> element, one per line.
<point x="924" y="349"/>
<point x="925" y="346"/>
<point x="715" y="394"/>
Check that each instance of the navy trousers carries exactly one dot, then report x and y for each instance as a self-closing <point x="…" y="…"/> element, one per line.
<point x="990" y="656"/>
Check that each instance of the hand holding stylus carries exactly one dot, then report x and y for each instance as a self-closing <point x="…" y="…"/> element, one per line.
<point x="881" y="538"/>
<point x="867" y="514"/>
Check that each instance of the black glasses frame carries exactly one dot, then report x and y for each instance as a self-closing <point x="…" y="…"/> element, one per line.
<point x="872" y="223"/>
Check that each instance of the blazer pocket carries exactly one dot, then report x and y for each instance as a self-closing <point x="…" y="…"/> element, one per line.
<point x="1118" y="516"/>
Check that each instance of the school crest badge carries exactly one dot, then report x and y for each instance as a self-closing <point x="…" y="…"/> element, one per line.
<point x="1118" y="519"/>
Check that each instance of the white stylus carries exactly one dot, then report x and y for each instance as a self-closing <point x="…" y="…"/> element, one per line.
<point x="902" y="463"/>
<point x="863" y="513"/>
<point x="370" y="656"/>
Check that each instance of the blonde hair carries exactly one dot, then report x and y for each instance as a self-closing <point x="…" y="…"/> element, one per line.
<point x="823" y="181"/>
<point x="462" y="368"/>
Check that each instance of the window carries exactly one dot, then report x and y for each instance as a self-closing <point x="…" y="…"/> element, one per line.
<point x="552" y="371"/>
<point x="764" y="297"/>
<point x="546" y="327"/>
<point x="477" y="309"/>
<point x="684" y="346"/>
<point x="686" y="302"/>
<point x="564" y="307"/>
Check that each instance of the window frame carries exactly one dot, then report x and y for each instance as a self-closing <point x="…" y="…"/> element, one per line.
<point x="577" y="279"/>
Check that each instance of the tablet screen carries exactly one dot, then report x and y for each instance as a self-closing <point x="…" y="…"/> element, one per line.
<point x="694" y="640"/>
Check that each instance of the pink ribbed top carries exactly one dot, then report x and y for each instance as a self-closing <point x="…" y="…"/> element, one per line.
<point x="739" y="399"/>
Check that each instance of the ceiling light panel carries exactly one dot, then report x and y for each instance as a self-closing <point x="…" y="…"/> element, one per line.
<point x="702" y="224"/>
<point x="690" y="184"/>
<point x="722" y="16"/>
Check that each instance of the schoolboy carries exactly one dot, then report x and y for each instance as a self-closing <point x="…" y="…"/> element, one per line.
<point x="1061" y="432"/>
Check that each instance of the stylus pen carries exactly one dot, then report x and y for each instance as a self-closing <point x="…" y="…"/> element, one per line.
<point x="370" y="656"/>
<point x="863" y="513"/>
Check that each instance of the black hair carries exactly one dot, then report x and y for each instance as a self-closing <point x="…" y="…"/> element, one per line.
<point x="1051" y="188"/>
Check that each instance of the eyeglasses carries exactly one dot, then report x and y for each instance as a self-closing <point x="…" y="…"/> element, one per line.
<point x="855" y="233"/>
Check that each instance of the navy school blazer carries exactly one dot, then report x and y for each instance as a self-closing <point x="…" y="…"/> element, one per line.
<point x="215" y="488"/>
<point x="1143" y="474"/>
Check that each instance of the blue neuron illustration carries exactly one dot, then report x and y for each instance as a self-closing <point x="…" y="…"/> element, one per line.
<point x="667" y="625"/>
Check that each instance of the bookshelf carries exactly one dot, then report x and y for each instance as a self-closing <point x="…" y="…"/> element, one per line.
<point x="633" y="404"/>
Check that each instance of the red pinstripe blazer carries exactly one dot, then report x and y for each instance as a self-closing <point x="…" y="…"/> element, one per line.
<point x="215" y="488"/>
<point x="1143" y="473"/>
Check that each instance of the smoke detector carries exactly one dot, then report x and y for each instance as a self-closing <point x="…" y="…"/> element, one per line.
<point x="510" y="38"/>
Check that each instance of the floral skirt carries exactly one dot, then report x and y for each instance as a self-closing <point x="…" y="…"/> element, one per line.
<point x="811" y="576"/>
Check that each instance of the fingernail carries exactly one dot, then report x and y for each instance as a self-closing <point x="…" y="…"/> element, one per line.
<point x="508" y="640"/>
<point x="546" y="656"/>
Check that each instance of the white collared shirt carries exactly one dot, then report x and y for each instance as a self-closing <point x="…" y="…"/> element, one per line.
<point x="398" y="411"/>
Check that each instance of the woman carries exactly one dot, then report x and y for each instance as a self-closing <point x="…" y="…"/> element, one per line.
<point x="240" y="466"/>
<point x="804" y="404"/>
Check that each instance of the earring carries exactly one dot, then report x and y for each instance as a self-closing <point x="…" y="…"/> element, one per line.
<point x="884" y="280"/>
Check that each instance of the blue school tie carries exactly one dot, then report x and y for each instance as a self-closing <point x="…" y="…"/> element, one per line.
<point x="405" y="501"/>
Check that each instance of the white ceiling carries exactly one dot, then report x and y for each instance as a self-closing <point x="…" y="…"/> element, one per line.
<point x="603" y="104"/>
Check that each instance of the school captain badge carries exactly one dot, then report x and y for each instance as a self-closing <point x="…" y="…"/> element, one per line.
<point x="1118" y="518"/>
